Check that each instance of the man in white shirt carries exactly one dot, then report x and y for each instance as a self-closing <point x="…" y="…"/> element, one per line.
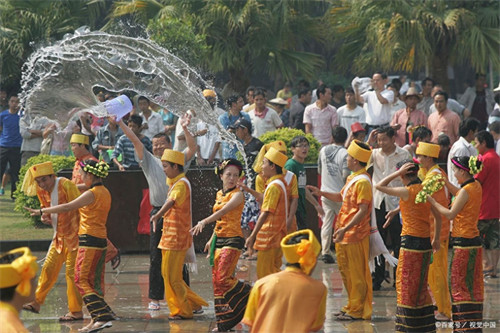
<point x="264" y="119"/>
<point x="384" y="160"/>
<point x="463" y="147"/>
<point x="351" y="112"/>
<point x="321" y="117"/>
<point x="378" y="102"/>
<point x="332" y="166"/>
<point x="152" y="123"/>
<point x="208" y="144"/>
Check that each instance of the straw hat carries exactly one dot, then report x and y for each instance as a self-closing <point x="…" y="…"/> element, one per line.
<point x="279" y="101"/>
<point x="412" y="91"/>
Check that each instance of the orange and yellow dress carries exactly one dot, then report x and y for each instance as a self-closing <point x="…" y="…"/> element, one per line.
<point x="353" y="251"/>
<point x="64" y="246"/>
<point x="466" y="270"/>
<point x="231" y="295"/>
<point x="90" y="261"/>
<point x="174" y="243"/>
<point x="414" y="311"/>
<point x="274" y="227"/>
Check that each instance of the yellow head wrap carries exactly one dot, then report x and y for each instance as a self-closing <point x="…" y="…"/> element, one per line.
<point x="19" y="271"/>
<point x="209" y="93"/>
<point x="359" y="153"/>
<point x="79" y="138"/>
<point x="428" y="149"/>
<point x="173" y="156"/>
<point x="279" y="145"/>
<point x="304" y="253"/>
<point x="37" y="170"/>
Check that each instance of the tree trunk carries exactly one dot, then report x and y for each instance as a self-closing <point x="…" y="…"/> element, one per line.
<point x="238" y="81"/>
<point x="440" y="68"/>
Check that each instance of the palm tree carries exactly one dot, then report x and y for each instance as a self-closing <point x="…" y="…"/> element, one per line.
<point x="409" y="35"/>
<point x="243" y="36"/>
<point x="27" y="24"/>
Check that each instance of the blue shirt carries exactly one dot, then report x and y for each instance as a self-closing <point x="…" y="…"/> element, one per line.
<point x="11" y="135"/>
<point x="226" y="119"/>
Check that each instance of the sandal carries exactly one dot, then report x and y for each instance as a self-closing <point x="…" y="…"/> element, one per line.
<point x="177" y="317"/>
<point x="94" y="327"/>
<point x="153" y="306"/>
<point x="346" y="317"/>
<point x="29" y="307"/>
<point x="198" y="311"/>
<point x="70" y="317"/>
<point x="441" y="317"/>
<point x="340" y="313"/>
<point x="115" y="262"/>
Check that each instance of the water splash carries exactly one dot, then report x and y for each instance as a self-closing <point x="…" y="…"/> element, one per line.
<point x="59" y="79"/>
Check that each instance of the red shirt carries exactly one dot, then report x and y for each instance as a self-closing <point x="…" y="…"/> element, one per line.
<point x="489" y="178"/>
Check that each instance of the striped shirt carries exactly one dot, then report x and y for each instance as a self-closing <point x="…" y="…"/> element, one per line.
<point x="125" y="147"/>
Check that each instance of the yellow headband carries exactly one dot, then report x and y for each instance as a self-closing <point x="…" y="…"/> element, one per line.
<point x="304" y="253"/>
<point x="173" y="156"/>
<point x="276" y="157"/>
<point x="19" y="272"/>
<point x="279" y="145"/>
<point x="428" y="149"/>
<point x="37" y="170"/>
<point x="79" y="138"/>
<point x="359" y="153"/>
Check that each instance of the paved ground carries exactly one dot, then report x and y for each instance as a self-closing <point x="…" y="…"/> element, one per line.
<point x="127" y="290"/>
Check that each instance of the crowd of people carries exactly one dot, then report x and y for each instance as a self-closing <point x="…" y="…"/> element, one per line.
<point x="415" y="166"/>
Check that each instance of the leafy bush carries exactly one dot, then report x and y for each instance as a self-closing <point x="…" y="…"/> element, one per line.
<point x="286" y="135"/>
<point x="59" y="162"/>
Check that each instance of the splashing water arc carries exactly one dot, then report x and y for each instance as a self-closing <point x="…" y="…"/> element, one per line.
<point x="60" y="77"/>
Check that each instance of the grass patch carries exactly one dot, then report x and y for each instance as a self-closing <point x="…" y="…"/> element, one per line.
<point x="14" y="226"/>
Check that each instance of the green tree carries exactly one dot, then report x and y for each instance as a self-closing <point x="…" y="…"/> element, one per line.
<point x="244" y="37"/>
<point x="409" y="35"/>
<point x="27" y="24"/>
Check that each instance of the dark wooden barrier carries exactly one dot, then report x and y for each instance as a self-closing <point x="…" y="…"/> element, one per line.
<point x="126" y="192"/>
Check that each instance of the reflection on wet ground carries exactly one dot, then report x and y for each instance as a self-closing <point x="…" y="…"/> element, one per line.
<point x="127" y="294"/>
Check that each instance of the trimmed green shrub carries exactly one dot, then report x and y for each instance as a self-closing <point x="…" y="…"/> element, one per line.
<point x="22" y="200"/>
<point x="286" y="135"/>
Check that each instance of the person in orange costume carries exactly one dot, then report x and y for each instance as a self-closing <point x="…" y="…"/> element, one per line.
<point x="271" y="225"/>
<point x="51" y="190"/>
<point x="93" y="205"/>
<point x="427" y="154"/>
<point x="414" y="311"/>
<point x="352" y="233"/>
<point x="466" y="270"/>
<point x="80" y="148"/>
<point x="291" y="300"/>
<point x="17" y="286"/>
<point x="176" y="238"/>
<point x="225" y="245"/>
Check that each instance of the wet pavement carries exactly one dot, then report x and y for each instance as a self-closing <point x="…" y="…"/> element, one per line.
<point x="127" y="295"/>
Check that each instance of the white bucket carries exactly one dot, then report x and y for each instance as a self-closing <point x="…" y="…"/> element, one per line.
<point x="119" y="106"/>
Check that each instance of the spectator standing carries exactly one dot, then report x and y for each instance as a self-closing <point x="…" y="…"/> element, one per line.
<point x="321" y="117"/>
<point x="10" y="143"/>
<point x="494" y="129"/>
<point x="463" y="146"/>
<point x="286" y="94"/>
<point x="332" y="166"/>
<point x="351" y="112"/>
<point x="152" y="122"/>
<point x="443" y="121"/>
<point x="263" y="119"/>
<point x="208" y="144"/>
<point x="451" y="104"/>
<point x="479" y="100"/>
<point x="297" y="109"/>
<point x="378" y="102"/>
<point x="489" y="214"/>
<point x="426" y="100"/>
<point x="227" y="119"/>
<point x="249" y="97"/>
<point x="404" y="120"/>
<point x="279" y="104"/>
<point x="31" y="127"/>
<point x="338" y="96"/>
<point x="106" y="139"/>
<point x="125" y="147"/>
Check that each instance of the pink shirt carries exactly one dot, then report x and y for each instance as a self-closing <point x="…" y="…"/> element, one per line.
<point x="489" y="177"/>
<point x="417" y="118"/>
<point x="322" y="121"/>
<point x="446" y="122"/>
